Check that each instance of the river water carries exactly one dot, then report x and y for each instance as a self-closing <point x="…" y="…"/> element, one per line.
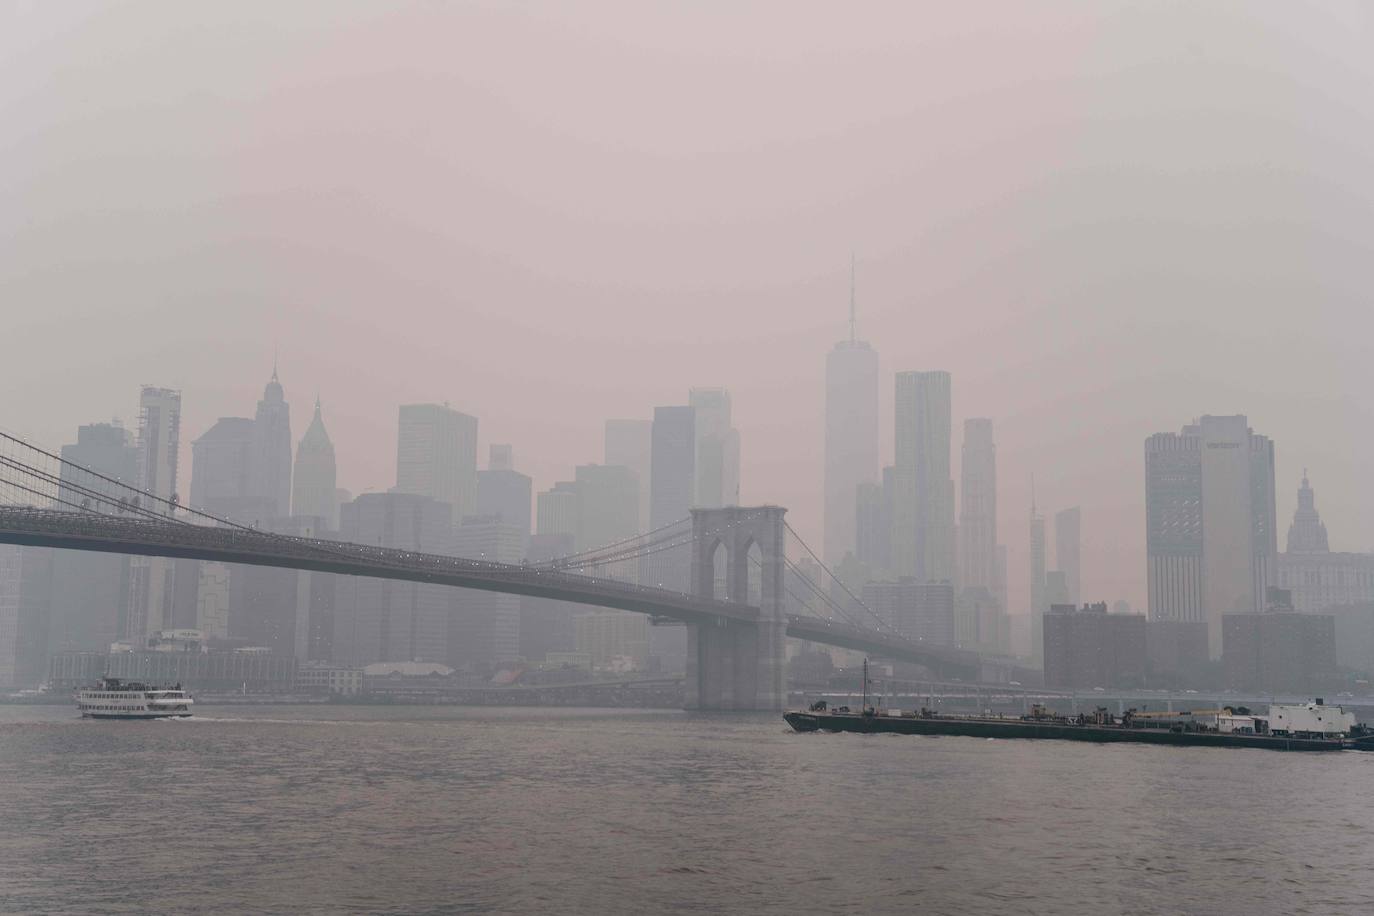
<point x="329" y="809"/>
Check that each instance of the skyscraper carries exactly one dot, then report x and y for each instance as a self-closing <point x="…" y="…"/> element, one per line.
<point x="608" y="505"/>
<point x="672" y="465"/>
<point x="151" y="578"/>
<point x="1068" y="536"/>
<point x="717" y="458"/>
<point x="222" y="461"/>
<point x="978" y="507"/>
<point x="383" y="620"/>
<point x="557" y="512"/>
<point x="1211" y="531"/>
<point x="851" y="433"/>
<point x="484" y="627"/>
<point x="90" y="592"/>
<point x="315" y="481"/>
<point x="269" y="476"/>
<point x="629" y="443"/>
<point x="26" y="578"/>
<point x="923" y="524"/>
<point x="505" y="493"/>
<point x="436" y="455"/>
<point x="1039" y="604"/>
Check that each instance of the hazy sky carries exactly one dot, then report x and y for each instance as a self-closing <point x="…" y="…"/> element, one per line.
<point x="1104" y="219"/>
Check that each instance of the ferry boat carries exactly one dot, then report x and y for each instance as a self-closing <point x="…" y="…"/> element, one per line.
<point x="112" y="698"/>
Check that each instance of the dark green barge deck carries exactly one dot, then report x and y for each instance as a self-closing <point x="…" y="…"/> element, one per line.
<point x="989" y="727"/>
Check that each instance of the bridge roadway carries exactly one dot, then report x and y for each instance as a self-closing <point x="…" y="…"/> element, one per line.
<point x="150" y="537"/>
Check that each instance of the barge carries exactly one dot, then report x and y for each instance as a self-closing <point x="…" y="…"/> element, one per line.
<point x="1100" y="727"/>
<point x="1302" y="727"/>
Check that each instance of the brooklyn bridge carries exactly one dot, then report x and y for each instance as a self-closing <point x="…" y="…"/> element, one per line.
<point x="741" y="602"/>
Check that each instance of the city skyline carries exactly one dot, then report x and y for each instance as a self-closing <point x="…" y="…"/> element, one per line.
<point x="1019" y="599"/>
<point x="998" y="251"/>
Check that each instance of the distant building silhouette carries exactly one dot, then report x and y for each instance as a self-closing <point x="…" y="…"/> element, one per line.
<point x="436" y="456"/>
<point x="851" y="435"/>
<point x="1210" y="521"/>
<point x="629" y="443"/>
<point x="505" y="493"/>
<point x="1068" y="535"/>
<point x="915" y="610"/>
<point x="314" y="486"/>
<point x="269" y="475"/>
<point x="978" y="507"/>
<point x="1039" y="600"/>
<point x="718" y="449"/>
<point x="90" y="590"/>
<point x="484" y="627"/>
<point x="383" y="620"/>
<point x="152" y="579"/>
<point x="923" y="513"/>
<point x="221" y="471"/>
<point x="1321" y="579"/>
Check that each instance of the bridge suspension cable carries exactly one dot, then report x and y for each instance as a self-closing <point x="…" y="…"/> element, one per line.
<point x="858" y="602"/>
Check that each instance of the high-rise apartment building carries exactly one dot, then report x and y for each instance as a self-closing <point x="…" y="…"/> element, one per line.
<point x="978" y="507"/>
<point x="851" y="435"/>
<point x="1210" y="522"/>
<point x="923" y="523"/>
<point x="436" y="455"/>
<point x="151" y="579"/>
<point x="629" y="443"/>
<point x="314" y="485"/>
<point x="270" y="469"/>
<point x="717" y="457"/>
<point x="1087" y="648"/>
<point x="1068" y="536"/>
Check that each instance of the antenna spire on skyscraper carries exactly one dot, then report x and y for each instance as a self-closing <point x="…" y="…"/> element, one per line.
<point x="853" y="337"/>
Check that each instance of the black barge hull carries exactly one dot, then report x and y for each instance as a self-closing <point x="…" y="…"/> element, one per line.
<point x="1055" y="731"/>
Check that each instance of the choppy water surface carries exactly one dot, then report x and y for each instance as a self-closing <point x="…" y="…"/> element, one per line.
<point x="446" y="810"/>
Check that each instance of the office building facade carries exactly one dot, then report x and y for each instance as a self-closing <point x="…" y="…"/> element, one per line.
<point x="1210" y="522"/>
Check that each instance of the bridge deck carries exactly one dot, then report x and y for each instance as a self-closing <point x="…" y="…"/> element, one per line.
<point x="171" y="538"/>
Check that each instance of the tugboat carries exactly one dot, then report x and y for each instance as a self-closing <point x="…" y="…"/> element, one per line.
<point x="112" y="698"/>
<point x="1286" y="729"/>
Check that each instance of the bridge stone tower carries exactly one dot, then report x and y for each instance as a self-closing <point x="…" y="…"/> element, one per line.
<point x="736" y="664"/>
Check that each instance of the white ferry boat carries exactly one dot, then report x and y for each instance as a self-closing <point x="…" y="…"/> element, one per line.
<point x="112" y="698"/>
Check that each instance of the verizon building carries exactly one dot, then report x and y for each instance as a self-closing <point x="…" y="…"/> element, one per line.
<point x="1210" y="522"/>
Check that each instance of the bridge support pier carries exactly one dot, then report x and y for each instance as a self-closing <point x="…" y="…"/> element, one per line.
<point x="735" y="664"/>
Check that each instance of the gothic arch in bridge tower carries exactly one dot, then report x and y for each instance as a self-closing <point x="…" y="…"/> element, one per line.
<point x="734" y="664"/>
